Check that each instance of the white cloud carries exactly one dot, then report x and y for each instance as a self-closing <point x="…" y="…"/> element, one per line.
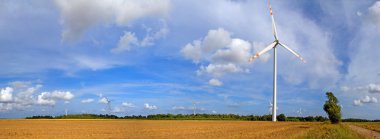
<point x="374" y="88"/>
<point x="214" y="112"/>
<point x="363" y="67"/>
<point x="215" y="40"/>
<point x="79" y="15"/>
<point x="58" y="95"/>
<point x="365" y="100"/>
<point x="6" y="94"/>
<point x="218" y="70"/>
<point x="345" y="88"/>
<point x="237" y="52"/>
<point x="25" y="97"/>
<point x="125" y="43"/>
<point x="103" y="100"/>
<point x="150" y="107"/>
<point x="129" y="39"/>
<point x="127" y="104"/>
<point x="50" y="98"/>
<point x="44" y="101"/>
<point x="374" y="12"/>
<point x="89" y="100"/>
<point x="215" y="82"/>
<point x="93" y="63"/>
<point x="178" y="108"/>
<point x="218" y="47"/>
<point x="151" y="36"/>
<point x="193" y="51"/>
<point x="117" y="110"/>
<point x="357" y="102"/>
<point x="19" y="84"/>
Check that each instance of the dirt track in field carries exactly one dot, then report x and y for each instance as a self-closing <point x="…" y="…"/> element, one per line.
<point x="366" y="132"/>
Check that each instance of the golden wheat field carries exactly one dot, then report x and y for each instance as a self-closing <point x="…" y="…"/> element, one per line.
<point x="46" y="129"/>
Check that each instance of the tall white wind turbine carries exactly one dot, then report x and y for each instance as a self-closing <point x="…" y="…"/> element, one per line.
<point x="273" y="46"/>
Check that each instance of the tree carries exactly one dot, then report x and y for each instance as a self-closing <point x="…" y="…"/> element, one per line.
<point x="332" y="108"/>
<point x="281" y="117"/>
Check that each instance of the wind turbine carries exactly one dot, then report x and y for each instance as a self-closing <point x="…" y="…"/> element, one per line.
<point x="299" y="112"/>
<point x="108" y="105"/>
<point x="194" y="107"/>
<point x="273" y="46"/>
<point x="270" y="107"/>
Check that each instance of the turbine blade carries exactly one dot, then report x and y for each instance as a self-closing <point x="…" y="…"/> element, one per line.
<point x="263" y="51"/>
<point x="274" y="29"/>
<point x="296" y="54"/>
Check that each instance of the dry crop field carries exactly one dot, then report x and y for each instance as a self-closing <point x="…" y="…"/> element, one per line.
<point x="375" y="126"/>
<point x="46" y="129"/>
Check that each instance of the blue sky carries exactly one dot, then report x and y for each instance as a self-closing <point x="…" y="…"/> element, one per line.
<point x="161" y="56"/>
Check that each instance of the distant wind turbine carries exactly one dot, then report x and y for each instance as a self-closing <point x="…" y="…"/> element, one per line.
<point x="299" y="112"/>
<point x="194" y="106"/>
<point x="273" y="46"/>
<point x="108" y="105"/>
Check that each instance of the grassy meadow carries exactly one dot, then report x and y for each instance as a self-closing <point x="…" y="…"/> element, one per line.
<point x="65" y="128"/>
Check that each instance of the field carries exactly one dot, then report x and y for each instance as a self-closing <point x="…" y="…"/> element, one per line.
<point x="44" y="129"/>
<point x="374" y="126"/>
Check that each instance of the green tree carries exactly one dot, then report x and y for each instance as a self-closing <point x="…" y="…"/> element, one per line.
<point x="281" y="117"/>
<point x="332" y="108"/>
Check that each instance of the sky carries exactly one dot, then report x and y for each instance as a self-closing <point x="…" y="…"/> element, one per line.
<point x="140" y="57"/>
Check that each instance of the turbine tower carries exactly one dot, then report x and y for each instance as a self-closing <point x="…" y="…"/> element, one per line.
<point x="273" y="46"/>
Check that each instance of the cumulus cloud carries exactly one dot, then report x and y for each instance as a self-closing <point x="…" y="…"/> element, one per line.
<point x="6" y="94"/>
<point x="128" y="104"/>
<point x="215" y="82"/>
<point x="103" y="100"/>
<point x="218" y="70"/>
<point x="89" y="100"/>
<point x="365" y="100"/>
<point x="374" y="88"/>
<point x="193" y="51"/>
<point x="216" y="39"/>
<point x="150" y="107"/>
<point x="25" y="97"/>
<point x="79" y="15"/>
<point x="50" y="98"/>
<point x="222" y="53"/>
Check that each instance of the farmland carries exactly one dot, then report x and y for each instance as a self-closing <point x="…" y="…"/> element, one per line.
<point x="374" y="126"/>
<point x="168" y="129"/>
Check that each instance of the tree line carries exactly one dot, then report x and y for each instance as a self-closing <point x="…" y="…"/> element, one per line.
<point x="280" y="117"/>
